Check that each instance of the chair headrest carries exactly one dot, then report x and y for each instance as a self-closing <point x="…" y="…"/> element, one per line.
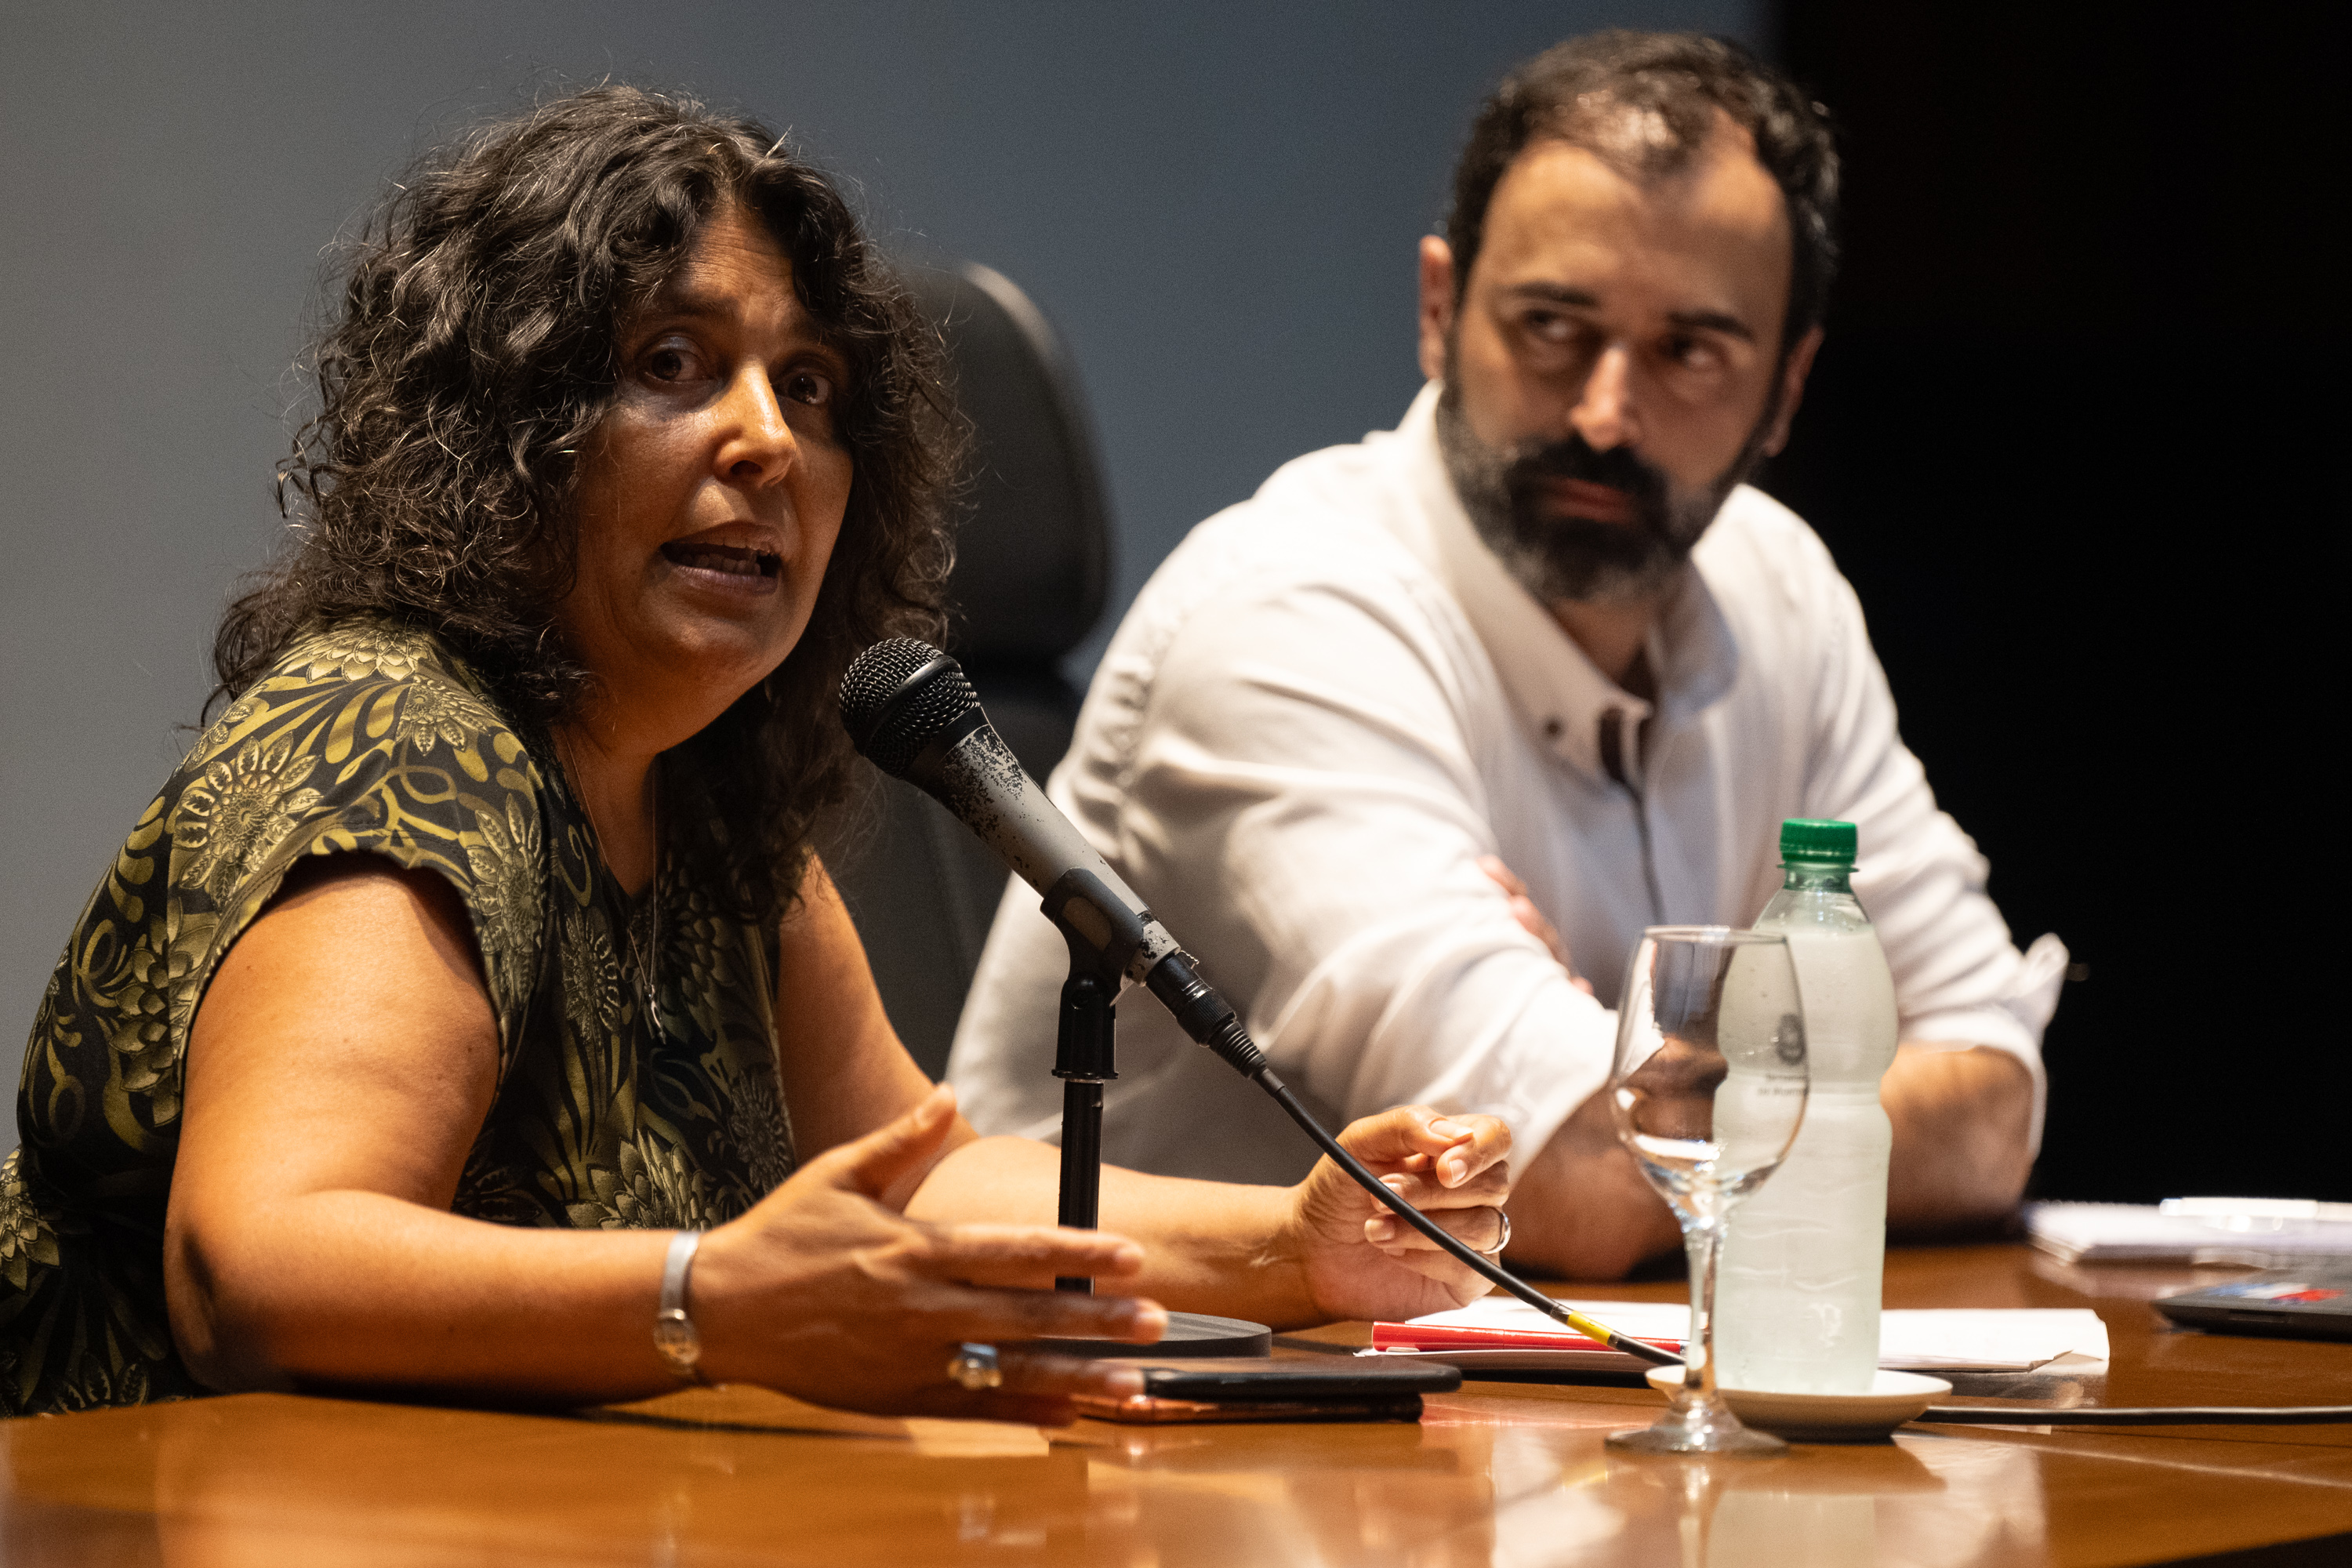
<point x="1032" y="549"/>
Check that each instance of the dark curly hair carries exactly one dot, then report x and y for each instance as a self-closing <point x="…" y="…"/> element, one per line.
<point x="1586" y="90"/>
<point x="475" y="355"/>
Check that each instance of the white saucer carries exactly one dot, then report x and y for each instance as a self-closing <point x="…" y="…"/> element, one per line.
<point x="1894" y="1399"/>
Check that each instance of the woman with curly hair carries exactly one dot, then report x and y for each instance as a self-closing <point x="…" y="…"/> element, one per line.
<point x="468" y="1012"/>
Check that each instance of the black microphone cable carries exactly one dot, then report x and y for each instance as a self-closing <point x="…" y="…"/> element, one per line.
<point x="907" y="706"/>
<point x="2138" y="1415"/>
<point x="1233" y="1045"/>
<point x="910" y="711"/>
<point x="1237" y="1050"/>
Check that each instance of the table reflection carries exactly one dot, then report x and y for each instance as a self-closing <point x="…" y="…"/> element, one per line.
<point x="1539" y="1489"/>
<point x="326" y="1482"/>
<point x="1920" y="1501"/>
<point x="1493" y="1476"/>
<point x="1487" y="1480"/>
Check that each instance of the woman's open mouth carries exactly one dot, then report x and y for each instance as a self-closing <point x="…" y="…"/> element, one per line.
<point x="728" y="568"/>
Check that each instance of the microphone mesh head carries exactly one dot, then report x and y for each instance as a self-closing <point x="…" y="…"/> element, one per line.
<point x="891" y="722"/>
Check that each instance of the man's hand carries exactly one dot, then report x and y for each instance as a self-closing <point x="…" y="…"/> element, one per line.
<point x="1359" y="1260"/>
<point x="1531" y="918"/>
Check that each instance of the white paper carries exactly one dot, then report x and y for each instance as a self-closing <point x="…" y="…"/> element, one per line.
<point x="1957" y="1339"/>
<point x="1988" y="1339"/>
<point x="2250" y="1234"/>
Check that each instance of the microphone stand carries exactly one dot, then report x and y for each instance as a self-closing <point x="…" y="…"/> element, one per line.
<point x="1084" y="1061"/>
<point x="910" y="710"/>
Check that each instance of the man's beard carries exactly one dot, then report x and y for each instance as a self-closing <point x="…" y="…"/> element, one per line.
<point x="1559" y="557"/>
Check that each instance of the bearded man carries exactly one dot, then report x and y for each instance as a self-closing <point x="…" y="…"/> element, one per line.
<point x="1410" y="747"/>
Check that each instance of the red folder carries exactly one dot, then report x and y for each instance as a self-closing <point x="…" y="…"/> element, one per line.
<point x="1430" y="1337"/>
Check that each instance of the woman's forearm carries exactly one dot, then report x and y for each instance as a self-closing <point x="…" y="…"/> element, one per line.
<point x="354" y="1289"/>
<point x="822" y="1290"/>
<point x="1209" y="1247"/>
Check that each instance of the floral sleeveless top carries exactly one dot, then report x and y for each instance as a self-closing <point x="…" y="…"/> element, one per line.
<point x="609" y="1112"/>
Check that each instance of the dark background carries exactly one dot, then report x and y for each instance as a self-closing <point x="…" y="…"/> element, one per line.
<point x="2062" y="438"/>
<point x="2065" y="435"/>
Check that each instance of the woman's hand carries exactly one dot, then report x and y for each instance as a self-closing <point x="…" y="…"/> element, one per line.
<point x="1360" y="1262"/>
<point x="825" y="1293"/>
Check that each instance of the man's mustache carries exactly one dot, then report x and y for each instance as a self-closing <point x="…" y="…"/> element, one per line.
<point x="1574" y="458"/>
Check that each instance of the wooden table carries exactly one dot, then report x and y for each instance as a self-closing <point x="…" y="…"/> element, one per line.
<point x="1497" y="1474"/>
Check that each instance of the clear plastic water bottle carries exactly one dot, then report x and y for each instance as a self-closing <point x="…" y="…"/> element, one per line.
<point x="1798" y="1295"/>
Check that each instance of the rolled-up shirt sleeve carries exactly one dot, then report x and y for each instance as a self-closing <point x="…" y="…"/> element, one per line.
<point x="1319" y="818"/>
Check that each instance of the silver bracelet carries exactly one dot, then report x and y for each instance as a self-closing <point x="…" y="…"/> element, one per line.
<point x="674" y="1334"/>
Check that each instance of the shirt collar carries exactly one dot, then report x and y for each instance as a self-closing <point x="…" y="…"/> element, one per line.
<point x="1560" y="694"/>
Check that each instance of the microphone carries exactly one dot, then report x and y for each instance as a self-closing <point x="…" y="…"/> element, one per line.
<point x="910" y="712"/>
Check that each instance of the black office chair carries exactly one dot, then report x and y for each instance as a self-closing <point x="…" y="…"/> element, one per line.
<point x="1031" y="573"/>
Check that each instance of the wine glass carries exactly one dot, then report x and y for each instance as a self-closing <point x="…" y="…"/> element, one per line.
<point x="1708" y="1090"/>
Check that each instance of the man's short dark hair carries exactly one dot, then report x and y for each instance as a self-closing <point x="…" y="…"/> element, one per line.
<point x="1643" y="104"/>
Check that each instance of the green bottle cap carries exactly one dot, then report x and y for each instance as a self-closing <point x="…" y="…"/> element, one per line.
<point x="1804" y="841"/>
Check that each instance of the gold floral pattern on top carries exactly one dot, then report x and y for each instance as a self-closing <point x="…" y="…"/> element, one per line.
<point x="507" y="864"/>
<point x="592" y="979"/>
<point x="369" y="738"/>
<point x="155" y="1005"/>
<point x="755" y="1120"/>
<point x="26" y="1238"/>
<point x="432" y="712"/>
<point x="238" y="813"/>
<point x="651" y="1189"/>
<point x="357" y="650"/>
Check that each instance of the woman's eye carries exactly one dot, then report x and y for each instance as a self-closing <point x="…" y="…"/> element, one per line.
<point x="810" y="387"/>
<point x="671" y="361"/>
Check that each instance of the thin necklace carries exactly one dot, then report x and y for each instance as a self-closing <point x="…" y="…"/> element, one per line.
<point x="641" y="955"/>
<point x="644" y="954"/>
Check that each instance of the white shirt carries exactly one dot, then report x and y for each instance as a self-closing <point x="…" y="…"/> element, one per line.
<point x="1331" y="700"/>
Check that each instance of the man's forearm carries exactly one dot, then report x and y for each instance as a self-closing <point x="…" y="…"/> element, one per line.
<point x="1582" y="1210"/>
<point x="1960" y="1120"/>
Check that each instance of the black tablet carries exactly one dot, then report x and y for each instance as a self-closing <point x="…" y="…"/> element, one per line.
<point x="1252" y="1388"/>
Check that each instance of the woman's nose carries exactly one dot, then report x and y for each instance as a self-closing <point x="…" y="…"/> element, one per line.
<point x="757" y="445"/>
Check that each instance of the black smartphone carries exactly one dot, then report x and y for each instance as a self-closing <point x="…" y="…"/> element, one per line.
<point x="1253" y="1388"/>
<point x="2313" y="1301"/>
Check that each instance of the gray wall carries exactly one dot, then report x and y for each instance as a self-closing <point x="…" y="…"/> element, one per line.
<point x="1217" y="205"/>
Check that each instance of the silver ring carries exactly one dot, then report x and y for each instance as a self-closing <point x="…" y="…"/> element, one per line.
<point x="1497" y="1250"/>
<point x="974" y="1367"/>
